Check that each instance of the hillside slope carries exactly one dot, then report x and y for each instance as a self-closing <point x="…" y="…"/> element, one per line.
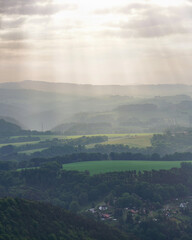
<point x="26" y="220"/>
<point x="8" y="129"/>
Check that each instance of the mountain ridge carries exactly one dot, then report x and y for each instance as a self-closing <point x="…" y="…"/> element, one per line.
<point x="99" y="90"/>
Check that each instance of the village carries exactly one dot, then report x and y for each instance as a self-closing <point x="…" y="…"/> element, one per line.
<point x="175" y="210"/>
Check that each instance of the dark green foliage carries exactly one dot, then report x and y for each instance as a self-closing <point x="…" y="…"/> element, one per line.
<point x="19" y="139"/>
<point x="8" y="149"/>
<point x="25" y="220"/>
<point x="8" y="129"/>
<point x="172" y="142"/>
<point x="50" y="183"/>
<point x="75" y="191"/>
<point x="128" y="200"/>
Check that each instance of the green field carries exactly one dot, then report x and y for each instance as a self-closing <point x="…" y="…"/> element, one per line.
<point x="110" y="136"/>
<point x="139" y="140"/>
<point x="97" y="167"/>
<point x="133" y="140"/>
<point x="17" y="144"/>
<point x="28" y="152"/>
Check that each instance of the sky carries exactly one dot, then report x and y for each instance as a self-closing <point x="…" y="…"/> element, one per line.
<point x="104" y="42"/>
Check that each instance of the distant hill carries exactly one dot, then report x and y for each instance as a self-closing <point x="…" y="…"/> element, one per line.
<point x="86" y="109"/>
<point x="100" y="90"/>
<point x="9" y="110"/>
<point x="83" y="128"/>
<point x="152" y="115"/>
<point x="9" y="129"/>
<point x="138" y="107"/>
<point x="26" y="220"/>
<point x="37" y="109"/>
<point x="11" y="120"/>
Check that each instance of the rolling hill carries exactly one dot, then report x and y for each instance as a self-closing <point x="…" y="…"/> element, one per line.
<point x="99" y="90"/>
<point x="26" y="220"/>
<point x="89" y="109"/>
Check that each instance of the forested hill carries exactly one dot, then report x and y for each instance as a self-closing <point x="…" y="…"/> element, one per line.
<point x="9" y="129"/>
<point x="26" y="220"/>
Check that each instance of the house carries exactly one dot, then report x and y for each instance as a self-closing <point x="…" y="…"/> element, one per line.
<point x="133" y="211"/>
<point x="103" y="208"/>
<point x="107" y="216"/>
<point x="183" y="205"/>
<point x="92" y="210"/>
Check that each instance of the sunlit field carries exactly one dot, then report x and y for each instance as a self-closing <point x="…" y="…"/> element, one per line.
<point x="97" y="167"/>
<point x="17" y="144"/>
<point x="139" y="140"/>
<point x="133" y="140"/>
<point x="28" y="152"/>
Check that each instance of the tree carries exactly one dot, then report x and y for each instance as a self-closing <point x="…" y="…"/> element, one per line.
<point x="74" y="206"/>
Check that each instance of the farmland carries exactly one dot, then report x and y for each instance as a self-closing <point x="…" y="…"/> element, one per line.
<point x="139" y="140"/>
<point x="28" y="152"/>
<point x="97" y="167"/>
<point x="132" y="140"/>
<point x="17" y="144"/>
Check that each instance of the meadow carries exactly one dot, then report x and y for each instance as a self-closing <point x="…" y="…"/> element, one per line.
<point x="17" y="144"/>
<point x="28" y="152"/>
<point x="133" y="140"/>
<point x="97" y="167"/>
<point x="139" y="140"/>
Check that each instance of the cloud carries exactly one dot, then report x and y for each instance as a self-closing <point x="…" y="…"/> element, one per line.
<point x="150" y="20"/>
<point x="33" y="7"/>
<point x="11" y="23"/>
<point x="13" y="35"/>
<point x="134" y="7"/>
<point x="160" y="31"/>
<point x="127" y="9"/>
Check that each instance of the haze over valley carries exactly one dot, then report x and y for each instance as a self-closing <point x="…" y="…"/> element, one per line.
<point x="90" y="109"/>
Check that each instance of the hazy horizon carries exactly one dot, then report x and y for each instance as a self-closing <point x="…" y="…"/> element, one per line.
<point x="128" y="42"/>
<point x="97" y="84"/>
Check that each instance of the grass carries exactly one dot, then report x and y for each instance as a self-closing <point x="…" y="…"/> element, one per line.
<point x="136" y="140"/>
<point x="30" y="168"/>
<point x="140" y="140"/>
<point x="28" y="152"/>
<point x="132" y="139"/>
<point x="116" y="135"/>
<point x="19" y="143"/>
<point x="97" y="167"/>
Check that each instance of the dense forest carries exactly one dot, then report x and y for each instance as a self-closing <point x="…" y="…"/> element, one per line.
<point x="171" y="141"/>
<point x="8" y="129"/>
<point x="133" y="200"/>
<point x="27" y="162"/>
<point x="50" y="183"/>
<point x="26" y="220"/>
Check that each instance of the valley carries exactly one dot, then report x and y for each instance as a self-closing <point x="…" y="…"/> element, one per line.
<point x="124" y="163"/>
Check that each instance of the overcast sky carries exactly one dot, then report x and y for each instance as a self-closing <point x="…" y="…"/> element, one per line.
<point x="96" y="42"/>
